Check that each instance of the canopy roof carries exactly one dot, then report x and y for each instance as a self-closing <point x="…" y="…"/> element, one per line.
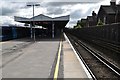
<point x="41" y="17"/>
<point x="42" y="20"/>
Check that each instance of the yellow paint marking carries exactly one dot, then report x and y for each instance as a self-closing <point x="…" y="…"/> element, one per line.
<point x="58" y="62"/>
<point x="3" y="42"/>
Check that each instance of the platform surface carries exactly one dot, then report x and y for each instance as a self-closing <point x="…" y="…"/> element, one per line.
<point x="36" y="61"/>
<point x="72" y="66"/>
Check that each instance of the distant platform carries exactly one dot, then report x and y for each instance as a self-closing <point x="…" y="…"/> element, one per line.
<point x="36" y="61"/>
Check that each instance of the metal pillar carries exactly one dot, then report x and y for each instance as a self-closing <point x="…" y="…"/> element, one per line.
<point x="33" y="23"/>
<point x="53" y="35"/>
<point x="31" y="32"/>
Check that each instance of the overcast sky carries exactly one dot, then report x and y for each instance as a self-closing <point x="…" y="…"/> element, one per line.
<point x="77" y="9"/>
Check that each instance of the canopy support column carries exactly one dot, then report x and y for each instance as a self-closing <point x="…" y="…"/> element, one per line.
<point x="53" y="35"/>
<point x="31" y="32"/>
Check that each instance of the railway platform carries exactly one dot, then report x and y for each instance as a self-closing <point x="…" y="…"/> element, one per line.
<point x="43" y="59"/>
<point x="35" y="62"/>
<point x="73" y="66"/>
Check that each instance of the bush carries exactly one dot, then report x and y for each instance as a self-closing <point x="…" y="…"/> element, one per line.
<point x="100" y="23"/>
<point x="77" y="27"/>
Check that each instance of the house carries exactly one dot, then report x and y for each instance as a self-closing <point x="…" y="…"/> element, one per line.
<point x="92" y="20"/>
<point x="109" y="14"/>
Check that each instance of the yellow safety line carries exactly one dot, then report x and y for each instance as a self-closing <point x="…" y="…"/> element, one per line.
<point x="2" y="42"/>
<point x="58" y="62"/>
<point x="5" y="42"/>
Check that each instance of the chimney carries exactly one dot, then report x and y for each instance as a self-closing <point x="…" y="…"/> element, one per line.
<point x="113" y="3"/>
<point x="93" y="13"/>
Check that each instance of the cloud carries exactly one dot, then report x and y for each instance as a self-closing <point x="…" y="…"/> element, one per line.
<point x="59" y="4"/>
<point x="5" y="9"/>
<point x="81" y="11"/>
<point x="76" y="10"/>
<point x="8" y="11"/>
<point x="8" y="20"/>
<point x="76" y="14"/>
<point x="81" y="1"/>
<point x="55" y="11"/>
<point x="10" y="8"/>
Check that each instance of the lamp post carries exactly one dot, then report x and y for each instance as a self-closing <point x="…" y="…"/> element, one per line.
<point x="33" y="5"/>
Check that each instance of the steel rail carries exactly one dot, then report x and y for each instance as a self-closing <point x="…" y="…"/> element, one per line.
<point x="110" y="65"/>
<point x="89" y="70"/>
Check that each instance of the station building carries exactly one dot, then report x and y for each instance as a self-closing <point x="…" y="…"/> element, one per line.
<point x="53" y="26"/>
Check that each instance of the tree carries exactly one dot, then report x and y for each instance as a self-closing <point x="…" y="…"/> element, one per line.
<point x="77" y="26"/>
<point x="82" y="24"/>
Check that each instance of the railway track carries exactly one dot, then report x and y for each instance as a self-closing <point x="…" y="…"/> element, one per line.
<point x="111" y="46"/>
<point x="107" y="45"/>
<point x="99" y="66"/>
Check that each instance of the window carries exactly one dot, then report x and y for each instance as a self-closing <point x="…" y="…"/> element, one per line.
<point x="104" y="20"/>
